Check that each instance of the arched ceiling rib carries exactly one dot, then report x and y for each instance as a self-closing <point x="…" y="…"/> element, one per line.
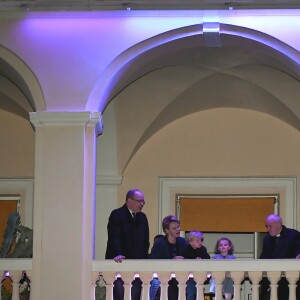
<point x="235" y="50"/>
<point x="13" y="99"/>
<point x="229" y="91"/>
<point x="238" y="87"/>
<point x="14" y="94"/>
<point x="225" y="76"/>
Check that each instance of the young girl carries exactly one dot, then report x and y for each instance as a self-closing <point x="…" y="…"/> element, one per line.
<point x="224" y="249"/>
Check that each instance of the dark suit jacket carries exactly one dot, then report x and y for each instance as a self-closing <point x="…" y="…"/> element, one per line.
<point x="192" y="253"/>
<point x="126" y="236"/>
<point x="288" y="245"/>
<point x="162" y="249"/>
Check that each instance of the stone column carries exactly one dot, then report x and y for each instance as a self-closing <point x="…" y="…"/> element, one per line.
<point x="64" y="193"/>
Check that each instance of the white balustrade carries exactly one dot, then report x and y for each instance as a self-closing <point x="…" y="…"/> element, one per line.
<point x="15" y="268"/>
<point x="198" y="269"/>
<point x="182" y="270"/>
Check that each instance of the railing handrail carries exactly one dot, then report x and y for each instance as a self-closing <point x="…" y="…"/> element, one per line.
<point x="160" y="265"/>
<point x="192" y="265"/>
<point x="15" y="264"/>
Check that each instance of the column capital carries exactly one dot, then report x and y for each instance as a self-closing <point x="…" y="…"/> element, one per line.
<point x="85" y="118"/>
<point x="109" y="180"/>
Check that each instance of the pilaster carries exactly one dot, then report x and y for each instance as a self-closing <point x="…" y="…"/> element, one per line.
<point x="64" y="194"/>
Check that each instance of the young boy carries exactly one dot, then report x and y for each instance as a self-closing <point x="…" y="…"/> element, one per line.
<point x="195" y="249"/>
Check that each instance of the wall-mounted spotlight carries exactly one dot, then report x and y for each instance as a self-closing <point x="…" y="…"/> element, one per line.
<point x="229" y="5"/>
<point x="127" y="6"/>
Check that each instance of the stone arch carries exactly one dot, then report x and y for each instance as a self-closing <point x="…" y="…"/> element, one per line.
<point x="134" y="62"/>
<point x="241" y="49"/>
<point x="21" y="80"/>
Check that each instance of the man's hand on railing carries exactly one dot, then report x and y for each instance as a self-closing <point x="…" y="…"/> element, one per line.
<point x="119" y="258"/>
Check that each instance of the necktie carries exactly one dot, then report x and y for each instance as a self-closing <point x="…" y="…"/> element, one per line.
<point x="134" y="216"/>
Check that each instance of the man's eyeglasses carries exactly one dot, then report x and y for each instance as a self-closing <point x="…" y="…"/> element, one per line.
<point x="141" y="201"/>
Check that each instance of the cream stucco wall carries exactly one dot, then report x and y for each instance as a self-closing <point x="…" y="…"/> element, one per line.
<point x="163" y="80"/>
<point x="217" y="142"/>
<point x="17" y="146"/>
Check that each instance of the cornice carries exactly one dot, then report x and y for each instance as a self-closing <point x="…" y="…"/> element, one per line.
<point x="109" y="180"/>
<point x="89" y="119"/>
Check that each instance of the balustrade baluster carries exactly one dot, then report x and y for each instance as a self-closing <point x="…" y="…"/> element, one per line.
<point x="15" y="276"/>
<point x="218" y="277"/>
<point x="127" y="277"/>
<point x="146" y="277"/>
<point x="255" y="278"/>
<point x="237" y="278"/>
<point x="164" y="278"/>
<point x="109" y="278"/>
<point x="292" y="277"/>
<point x="200" y="277"/>
<point x="164" y="290"/>
<point x="274" y="278"/>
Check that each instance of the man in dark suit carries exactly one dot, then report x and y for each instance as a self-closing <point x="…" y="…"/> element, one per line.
<point x="128" y="238"/>
<point x="280" y="242"/>
<point x="128" y="230"/>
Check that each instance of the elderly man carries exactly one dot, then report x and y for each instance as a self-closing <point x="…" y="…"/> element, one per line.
<point x="128" y="230"/>
<point x="280" y="242"/>
<point x="128" y="238"/>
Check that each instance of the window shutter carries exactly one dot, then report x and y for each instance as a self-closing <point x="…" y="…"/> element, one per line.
<point x="225" y="214"/>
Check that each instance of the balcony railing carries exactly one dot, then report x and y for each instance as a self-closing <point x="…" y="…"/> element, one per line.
<point x="14" y="269"/>
<point x="198" y="269"/>
<point x="181" y="269"/>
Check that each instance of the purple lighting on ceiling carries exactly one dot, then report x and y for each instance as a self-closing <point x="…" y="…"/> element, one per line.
<point x="104" y="42"/>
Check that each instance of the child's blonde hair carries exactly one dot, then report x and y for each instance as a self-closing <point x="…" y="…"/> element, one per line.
<point x="194" y="234"/>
